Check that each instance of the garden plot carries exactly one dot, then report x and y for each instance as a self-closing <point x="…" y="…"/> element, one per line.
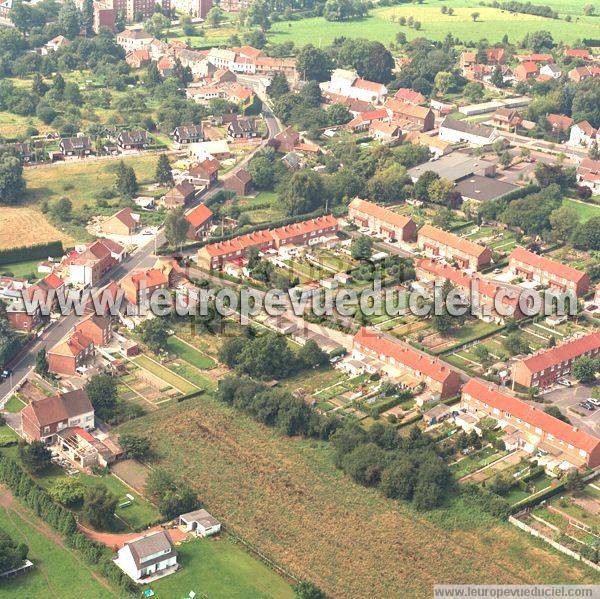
<point x="475" y="461"/>
<point x="341" y="394"/>
<point x="499" y="241"/>
<point x="144" y="387"/>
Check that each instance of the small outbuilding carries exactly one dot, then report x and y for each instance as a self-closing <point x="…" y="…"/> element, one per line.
<point x="200" y="522"/>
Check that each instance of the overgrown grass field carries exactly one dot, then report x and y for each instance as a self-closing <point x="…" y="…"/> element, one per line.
<point x="286" y="497"/>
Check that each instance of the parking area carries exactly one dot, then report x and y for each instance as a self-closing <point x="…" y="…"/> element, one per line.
<point x="568" y="400"/>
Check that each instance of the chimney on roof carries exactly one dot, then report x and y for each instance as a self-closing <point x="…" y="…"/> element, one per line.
<point x="575" y="429"/>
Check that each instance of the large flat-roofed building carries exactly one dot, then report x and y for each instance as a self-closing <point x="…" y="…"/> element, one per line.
<point x="399" y="358"/>
<point x="538" y="430"/>
<point x="437" y="242"/>
<point x="483" y="189"/>
<point x="454" y="167"/>
<point x="382" y="220"/>
<point x="548" y="272"/>
<point x="548" y="366"/>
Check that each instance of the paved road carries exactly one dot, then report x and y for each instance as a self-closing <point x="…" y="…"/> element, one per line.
<point x="567" y="397"/>
<point x="142" y="258"/>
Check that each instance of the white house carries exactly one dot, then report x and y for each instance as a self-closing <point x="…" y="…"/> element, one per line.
<point x="148" y="557"/>
<point x="456" y="131"/>
<point x="551" y="70"/>
<point x="200" y="522"/>
<point x="347" y="83"/>
<point x="582" y="134"/>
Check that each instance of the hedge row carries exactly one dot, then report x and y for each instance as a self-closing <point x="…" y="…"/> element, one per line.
<point x="31" y="252"/>
<point x="61" y="519"/>
<point x="537" y="497"/>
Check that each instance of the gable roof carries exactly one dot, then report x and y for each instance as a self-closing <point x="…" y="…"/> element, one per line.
<point x="199" y="215"/>
<point x="404" y="354"/>
<point x="451" y="240"/>
<point x="551" y="266"/>
<point x="405" y="94"/>
<point x="561" y="353"/>
<point x="205" y="168"/>
<point x="560" y="121"/>
<point x="464" y="126"/>
<point x="493" y="397"/>
<point x="125" y="215"/>
<point x="305" y="227"/>
<point x="242" y="175"/>
<point x="59" y="407"/>
<point x="158" y="542"/>
<point x="383" y="214"/>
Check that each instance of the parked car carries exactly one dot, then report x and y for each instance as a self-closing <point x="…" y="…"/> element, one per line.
<point x="565" y="382"/>
<point x="5" y="374"/>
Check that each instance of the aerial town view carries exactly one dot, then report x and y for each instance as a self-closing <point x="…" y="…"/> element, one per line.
<point x="299" y="299"/>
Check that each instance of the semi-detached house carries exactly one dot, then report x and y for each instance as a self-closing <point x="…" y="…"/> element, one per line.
<point x="383" y="220"/>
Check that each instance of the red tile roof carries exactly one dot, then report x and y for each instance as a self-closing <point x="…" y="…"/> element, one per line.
<point x="403" y="354"/>
<point x="126" y="217"/>
<point x="491" y="395"/>
<point x="58" y="407"/>
<point x="534" y="57"/>
<point x="371" y="86"/>
<point x="551" y="266"/>
<point x="199" y="215"/>
<point x="240" y="243"/>
<point x="152" y="278"/>
<point x="451" y="240"/>
<point x="405" y="94"/>
<point x="305" y="227"/>
<point x="383" y="214"/>
<point x="578" y="53"/>
<point x="566" y="351"/>
<point x="560" y="121"/>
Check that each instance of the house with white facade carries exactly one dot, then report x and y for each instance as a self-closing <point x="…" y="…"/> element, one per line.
<point x="200" y="522"/>
<point x="347" y="83"/>
<point x="457" y="131"/>
<point x="582" y="134"/>
<point x="148" y="557"/>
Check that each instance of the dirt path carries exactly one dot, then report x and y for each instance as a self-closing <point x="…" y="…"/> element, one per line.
<point x="8" y="502"/>
<point x="116" y="541"/>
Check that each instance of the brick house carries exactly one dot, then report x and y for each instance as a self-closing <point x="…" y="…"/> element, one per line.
<point x="306" y="232"/>
<point x="405" y="94"/>
<point x="421" y="116"/>
<point x="137" y="59"/>
<point x="437" y="242"/>
<point x="286" y="140"/>
<point x="70" y="353"/>
<point x="507" y="119"/>
<point x="399" y="359"/>
<point x="206" y="172"/>
<point x="382" y="220"/>
<point x="97" y="328"/>
<point x="579" y="74"/>
<point x="545" y="367"/>
<point x="42" y="419"/>
<point x="179" y="195"/>
<point x="150" y="280"/>
<point x="560" y="123"/>
<point x="547" y="272"/>
<point x="526" y="71"/>
<point x="124" y="222"/>
<point x="199" y="220"/>
<point x="239" y="182"/>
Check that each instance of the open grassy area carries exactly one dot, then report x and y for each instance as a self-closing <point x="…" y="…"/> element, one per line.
<point x="14" y="404"/>
<point x="21" y="269"/>
<point x="286" y="497"/>
<point x="584" y="210"/>
<point x="188" y="353"/>
<point x="217" y="568"/>
<point x="81" y="180"/>
<point x="165" y="374"/>
<point x="492" y="24"/>
<point x="59" y="572"/>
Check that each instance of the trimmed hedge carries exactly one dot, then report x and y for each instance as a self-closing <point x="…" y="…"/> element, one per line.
<point x="31" y="252"/>
<point x="537" y="497"/>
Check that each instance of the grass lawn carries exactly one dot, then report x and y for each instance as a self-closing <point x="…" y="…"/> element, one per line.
<point x="139" y="513"/>
<point x="59" y="572"/>
<point x="21" y="269"/>
<point x="491" y="24"/>
<point x="80" y="181"/>
<point x="14" y="404"/>
<point x="189" y="354"/>
<point x="267" y="487"/>
<point x="7" y="434"/>
<point x="219" y="568"/>
<point x="165" y="374"/>
<point x="584" y="210"/>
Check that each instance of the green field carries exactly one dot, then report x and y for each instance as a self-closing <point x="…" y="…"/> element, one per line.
<point x="217" y="568"/>
<point x="21" y="269"/>
<point x="189" y="354"/>
<point x="14" y="404"/>
<point x="584" y="210"/>
<point x="59" y="572"/>
<point x="492" y="24"/>
<point x="82" y="180"/>
<point x="165" y="374"/>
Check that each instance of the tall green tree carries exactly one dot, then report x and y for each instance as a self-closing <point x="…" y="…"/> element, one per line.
<point x="12" y="183"/>
<point x="176" y="227"/>
<point x="102" y="392"/>
<point x="164" y="172"/>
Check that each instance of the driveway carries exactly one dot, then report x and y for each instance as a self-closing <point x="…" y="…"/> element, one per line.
<point x="567" y="397"/>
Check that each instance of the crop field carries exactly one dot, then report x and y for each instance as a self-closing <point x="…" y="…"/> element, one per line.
<point x="22" y="225"/>
<point x="267" y="488"/>
<point x="382" y="25"/>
